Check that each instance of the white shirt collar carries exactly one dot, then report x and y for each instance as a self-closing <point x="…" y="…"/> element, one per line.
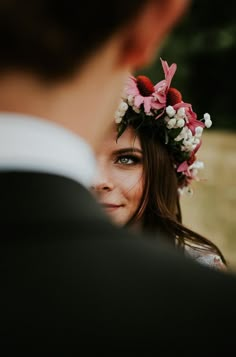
<point x="34" y="144"/>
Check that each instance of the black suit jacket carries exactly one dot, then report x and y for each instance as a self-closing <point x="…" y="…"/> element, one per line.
<point x="68" y="276"/>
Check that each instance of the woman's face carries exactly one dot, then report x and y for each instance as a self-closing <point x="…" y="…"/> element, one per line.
<point x="119" y="182"/>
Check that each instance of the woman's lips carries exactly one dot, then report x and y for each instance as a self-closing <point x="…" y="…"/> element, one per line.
<point x="110" y="206"/>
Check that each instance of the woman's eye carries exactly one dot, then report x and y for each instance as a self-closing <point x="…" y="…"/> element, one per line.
<point x="127" y="160"/>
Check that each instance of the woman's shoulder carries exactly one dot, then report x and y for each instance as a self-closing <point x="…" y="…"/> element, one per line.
<point x="205" y="257"/>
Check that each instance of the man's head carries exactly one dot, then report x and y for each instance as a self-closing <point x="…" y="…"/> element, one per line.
<point x="84" y="50"/>
<point x="53" y="37"/>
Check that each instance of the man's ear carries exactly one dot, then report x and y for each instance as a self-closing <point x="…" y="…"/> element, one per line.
<point x="144" y="36"/>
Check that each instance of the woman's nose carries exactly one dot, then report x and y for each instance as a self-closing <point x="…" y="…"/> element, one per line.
<point x="102" y="181"/>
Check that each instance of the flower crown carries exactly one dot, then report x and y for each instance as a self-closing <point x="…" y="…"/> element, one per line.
<point x="161" y="108"/>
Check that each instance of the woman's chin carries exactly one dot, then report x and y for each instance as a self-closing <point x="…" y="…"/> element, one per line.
<point x="116" y="219"/>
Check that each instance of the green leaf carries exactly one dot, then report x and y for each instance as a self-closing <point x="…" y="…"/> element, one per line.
<point x="121" y="128"/>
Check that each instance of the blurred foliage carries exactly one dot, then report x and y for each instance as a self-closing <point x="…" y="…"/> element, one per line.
<point x="203" y="45"/>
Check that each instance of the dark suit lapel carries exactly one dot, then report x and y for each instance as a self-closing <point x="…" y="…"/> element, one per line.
<point x="37" y="197"/>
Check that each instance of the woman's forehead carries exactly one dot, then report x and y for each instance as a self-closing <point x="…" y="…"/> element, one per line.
<point x="110" y="143"/>
<point x="128" y="139"/>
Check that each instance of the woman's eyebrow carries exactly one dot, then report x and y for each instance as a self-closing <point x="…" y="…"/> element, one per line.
<point x="128" y="150"/>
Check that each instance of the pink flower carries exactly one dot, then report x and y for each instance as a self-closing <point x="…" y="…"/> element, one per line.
<point x="192" y="122"/>
<point x="162" y="87"/>
<point x="168" y="71"/>
<point x="184" y="166"/>
<point x="143" y="92"/>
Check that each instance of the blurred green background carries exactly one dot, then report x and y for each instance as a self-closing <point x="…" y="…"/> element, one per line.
<point x="203" y="45"/>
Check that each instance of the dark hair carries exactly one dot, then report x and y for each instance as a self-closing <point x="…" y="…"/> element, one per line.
<point x="160" y="209"/>
<point x="52" y="38"/>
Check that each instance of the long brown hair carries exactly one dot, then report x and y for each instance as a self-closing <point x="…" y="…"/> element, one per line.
<point x="160" y="210"/>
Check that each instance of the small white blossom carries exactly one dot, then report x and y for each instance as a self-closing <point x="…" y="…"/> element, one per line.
<point x="182" y="134"/>
<point x="118" y="120"/>
<point x="196" y="141"/>
<point x="130" y="100"/>
<point x="184" y="148"/>
<point x="208" y="123"/>
<point x="117" y="113"/>
<point x="207" y="116"/>
<point x="187" y="136"/>
<point x="170" y="111"/>
<point x="181" y="112"/>
<point x="171" y="123"/>
<point x="198" y="131"/>
<point x="118" y="116"/>
<point x="188" y="145"/>
<point x="180" y="191"/>
<point x="178" y="138"/>
<point x="199" y="165"/>
<point x="123" y="107"/>
<point x="207" y="119"/>
<point x="189" y="133"/>
<point x="180" y="123"/>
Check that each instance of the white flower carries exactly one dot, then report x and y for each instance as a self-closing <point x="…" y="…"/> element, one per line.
<point x="181" y="112"/>
<point x="123" y="107"/>
<point x="182" y="134"/>
<point x="130" y="100"/>
<point x="118" y="117"/>
<point x="199" y="165"/>
<point x="207" y="116"/>
<point x="118" y="120"/>
<point x="180" y="123"/>
<point x="117" y="113"/>
<point x="170" y="111"/>
<point x="189" y="133"/>
<point x="198" y="131"/>
<point x="178" y="138"/>
<point x="184" y="148"/>
<point x="180" y="191"/>
<point x="196" y="141"/>
<point x="188" y="145"/>
<point x="207" y="119"/>
<point x="208" y="123"/>
<point x="171" y="123"/>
